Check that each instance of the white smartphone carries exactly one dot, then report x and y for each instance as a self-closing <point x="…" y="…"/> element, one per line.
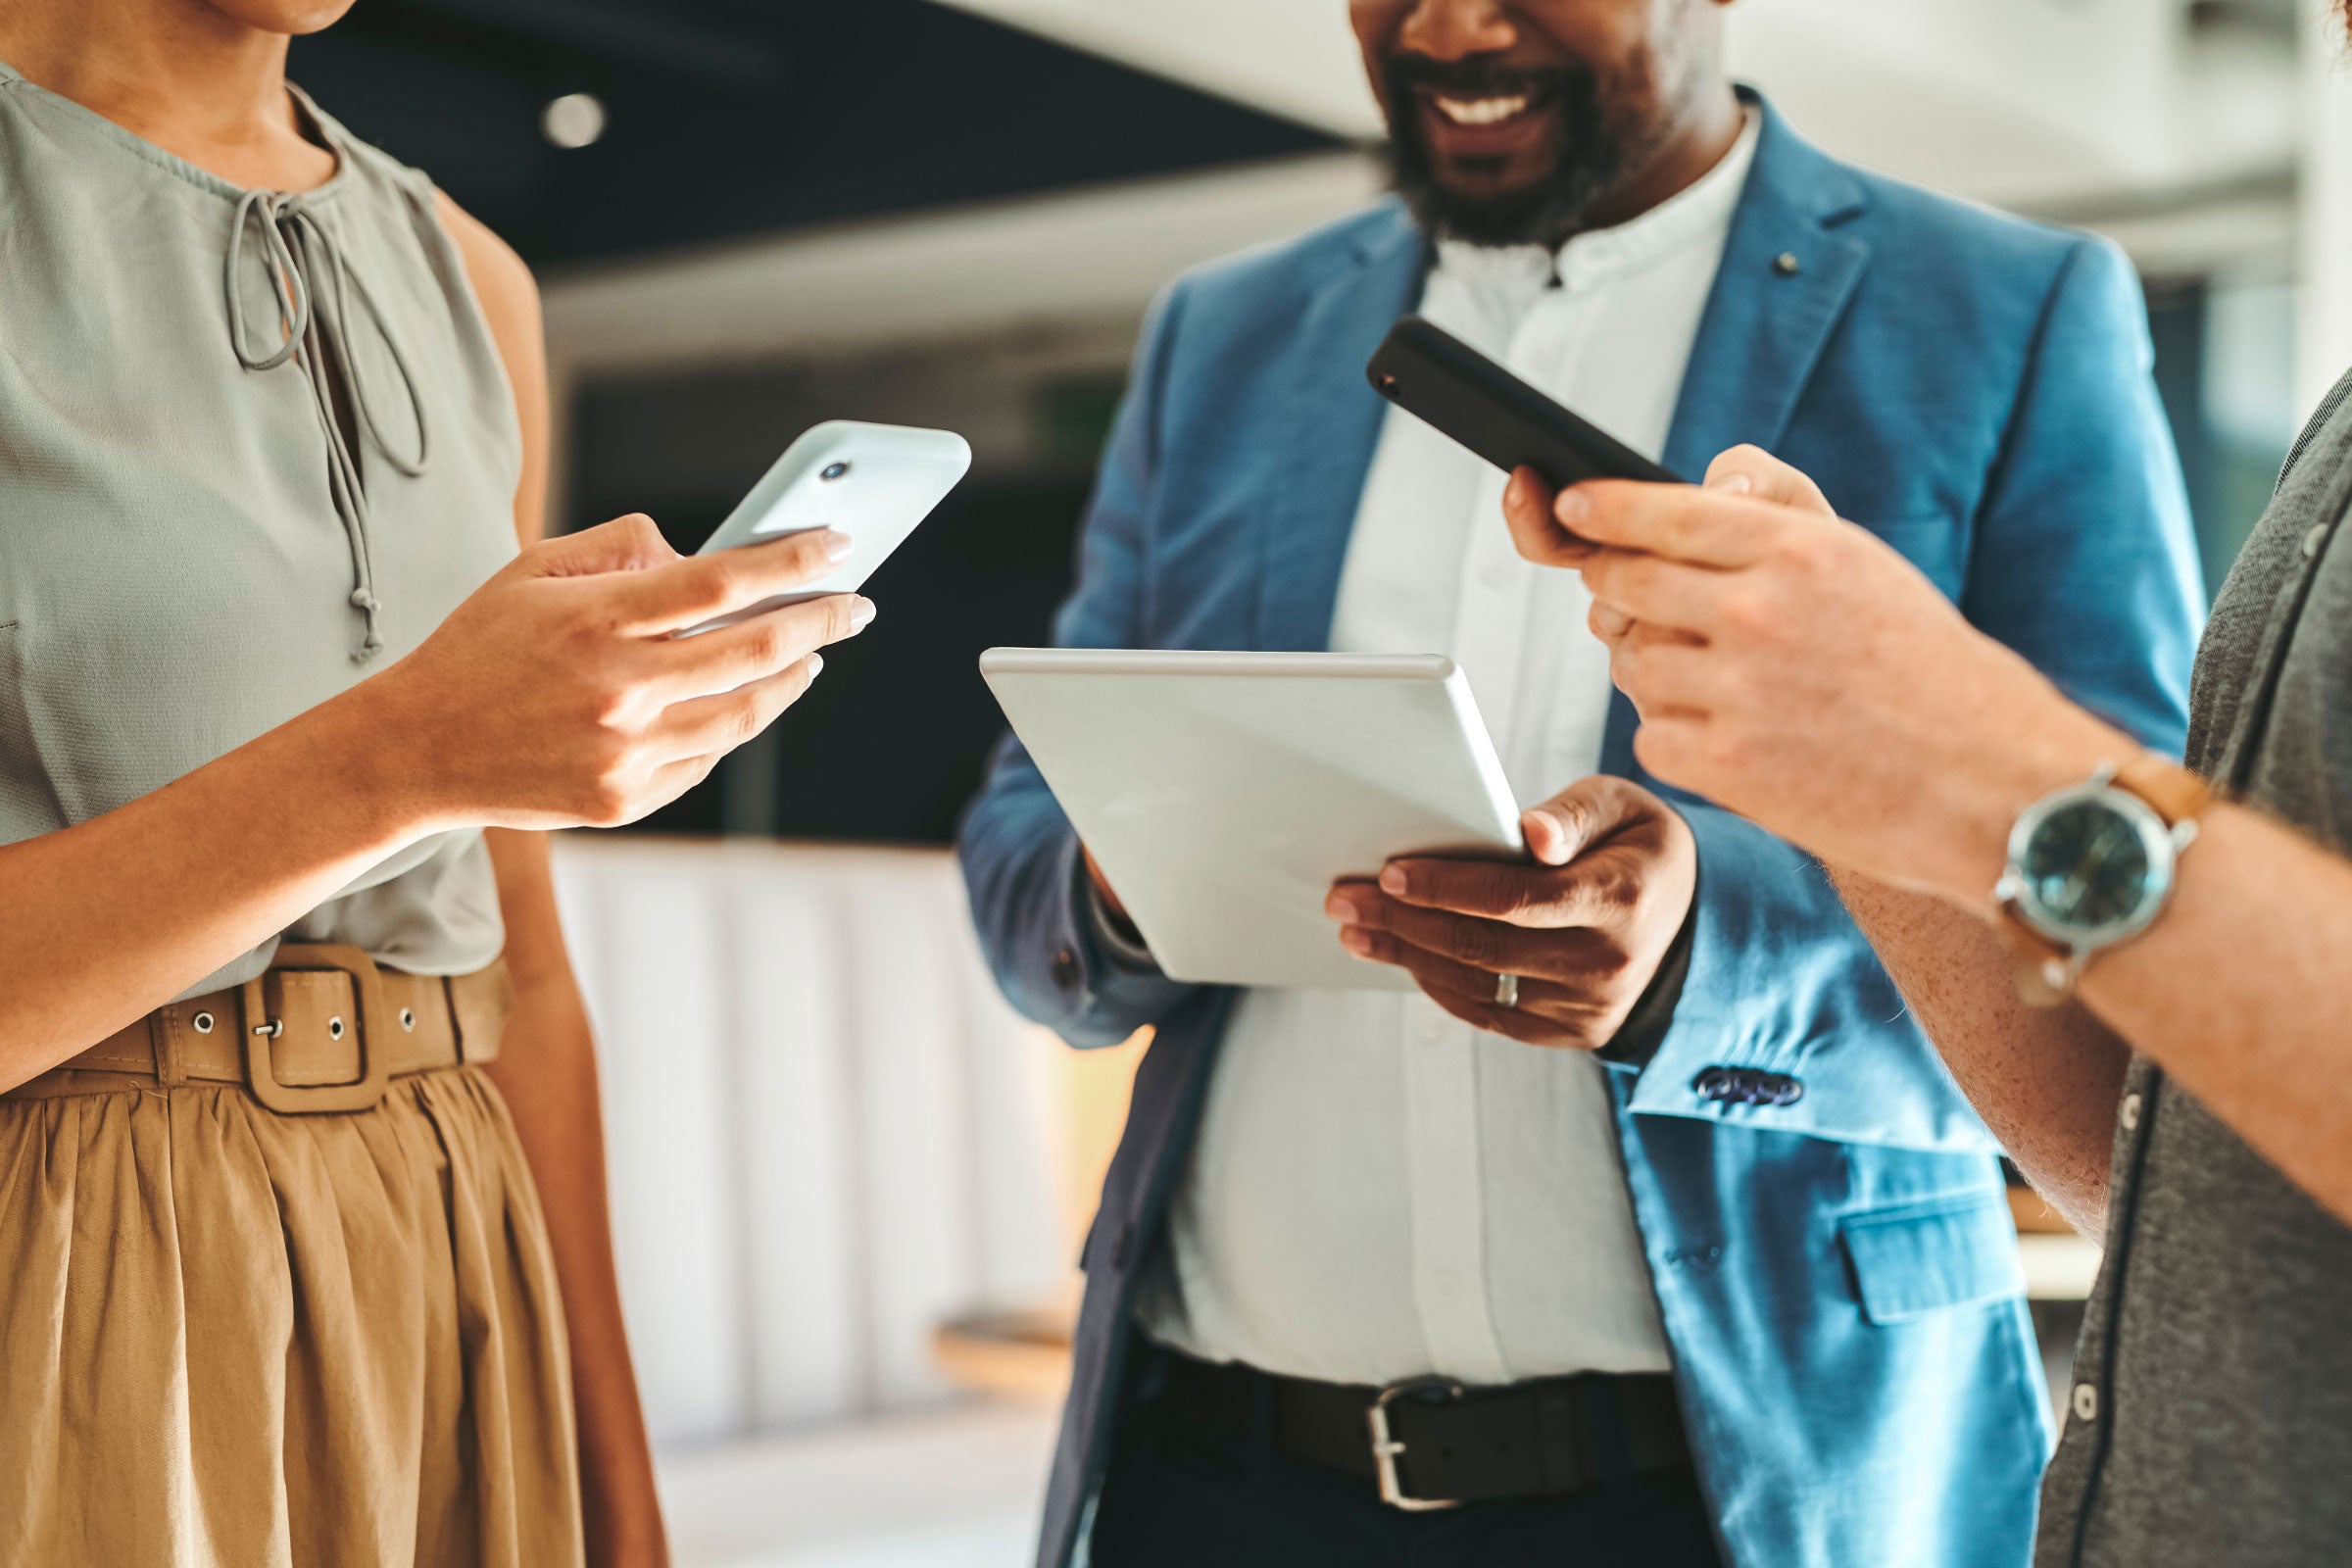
<point x="873" y="482"/>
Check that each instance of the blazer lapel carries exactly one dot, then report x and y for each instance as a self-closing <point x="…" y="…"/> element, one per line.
<point x="1328" y="428"/>
<point x="1789" y="274"/>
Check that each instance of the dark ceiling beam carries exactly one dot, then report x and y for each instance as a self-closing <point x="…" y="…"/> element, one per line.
<point x="630" y="35"/>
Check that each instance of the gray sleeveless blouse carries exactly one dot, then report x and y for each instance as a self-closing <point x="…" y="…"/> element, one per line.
<point x="253" y="448"/>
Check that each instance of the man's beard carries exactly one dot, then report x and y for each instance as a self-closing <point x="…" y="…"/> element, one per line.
<point x="1587" y="157"/>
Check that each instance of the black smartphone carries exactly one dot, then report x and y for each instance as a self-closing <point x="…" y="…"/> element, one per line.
<point x="1437" y="378"/>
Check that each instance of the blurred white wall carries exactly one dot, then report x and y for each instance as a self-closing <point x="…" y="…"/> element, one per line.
<point x="827" y="1132"/>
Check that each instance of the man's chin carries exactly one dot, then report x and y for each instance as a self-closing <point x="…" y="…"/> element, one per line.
<point x="1507" y="217"/>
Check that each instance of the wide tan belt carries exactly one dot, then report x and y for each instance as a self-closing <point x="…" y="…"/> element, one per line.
<point x="325" y="1029"/>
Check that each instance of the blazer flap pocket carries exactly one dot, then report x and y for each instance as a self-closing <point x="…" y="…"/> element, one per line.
<point x="1925" y="1257"/>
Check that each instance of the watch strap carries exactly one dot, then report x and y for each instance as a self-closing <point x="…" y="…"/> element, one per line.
<point x="2046" y="972"/>
<point x="2172" y="791"/>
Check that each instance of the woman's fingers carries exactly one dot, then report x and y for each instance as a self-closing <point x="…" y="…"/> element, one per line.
<point x="698" y="588"/>
<point x="712" y="726"/>
<point x="674" y="779"/>
<point x="625" y="544"/>
<point x="753" y="650"/>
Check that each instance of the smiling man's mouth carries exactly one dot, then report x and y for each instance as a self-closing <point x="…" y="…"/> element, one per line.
<point x="1482" y="111"/>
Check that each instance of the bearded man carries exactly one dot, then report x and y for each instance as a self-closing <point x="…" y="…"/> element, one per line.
<point x="1651" y="1230"/>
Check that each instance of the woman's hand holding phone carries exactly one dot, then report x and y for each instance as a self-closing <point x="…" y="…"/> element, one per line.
<point x="556" y="696"/>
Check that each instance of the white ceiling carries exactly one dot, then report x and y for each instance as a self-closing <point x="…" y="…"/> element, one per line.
<point x="2031" y="102"/>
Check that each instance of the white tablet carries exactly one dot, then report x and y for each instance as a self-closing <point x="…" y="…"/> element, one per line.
<point x="1223" y="794"/>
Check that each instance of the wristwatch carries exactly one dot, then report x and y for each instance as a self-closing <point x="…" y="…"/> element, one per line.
<point x="2093" y="865"/>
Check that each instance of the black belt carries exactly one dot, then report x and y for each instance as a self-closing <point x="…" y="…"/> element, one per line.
<point x="1433" y="1442"/>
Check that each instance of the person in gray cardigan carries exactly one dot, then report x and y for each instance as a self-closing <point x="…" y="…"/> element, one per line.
<point x="2141" y="974"/>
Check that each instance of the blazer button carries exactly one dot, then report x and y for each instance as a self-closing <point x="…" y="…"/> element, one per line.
<point x="1747" y="1086"/>
<point x="1065" y="969"/>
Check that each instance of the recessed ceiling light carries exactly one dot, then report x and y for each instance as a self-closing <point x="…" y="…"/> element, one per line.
<point x="574" y="119"/>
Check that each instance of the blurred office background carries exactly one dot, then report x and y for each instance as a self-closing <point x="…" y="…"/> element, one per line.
<point x="849" y="1183"/>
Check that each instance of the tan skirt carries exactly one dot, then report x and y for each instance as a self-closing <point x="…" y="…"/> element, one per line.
<point x="239" y="1339"/>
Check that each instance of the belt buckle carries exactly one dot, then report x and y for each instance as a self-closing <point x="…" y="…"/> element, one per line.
<point x="368" y="995"/>
<point x="1385" y="1447"/>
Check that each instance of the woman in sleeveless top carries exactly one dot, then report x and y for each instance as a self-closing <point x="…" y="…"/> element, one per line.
<point x="276" y="1117"/>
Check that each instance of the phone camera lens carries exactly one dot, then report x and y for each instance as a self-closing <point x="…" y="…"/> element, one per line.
<point x="834" y="470"/>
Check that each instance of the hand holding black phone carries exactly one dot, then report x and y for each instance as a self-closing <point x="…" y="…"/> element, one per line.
<point x="1435" y="376"/>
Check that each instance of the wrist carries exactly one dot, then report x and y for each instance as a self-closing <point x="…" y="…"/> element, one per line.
<point x="1985" y="796"/>
<point x="381" y="750"/>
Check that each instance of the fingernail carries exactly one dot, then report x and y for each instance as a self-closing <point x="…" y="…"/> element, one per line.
<point x="838" y="545"/>
<point x="1572" y="506"/>
<point x="1734" y="482"/>
<point x="817" y="665"/>
<point x="1393" y="880"/>
<point x="1356" y="940"/>
<point x="1340" y="906"/>
<point x="860" y="614"/>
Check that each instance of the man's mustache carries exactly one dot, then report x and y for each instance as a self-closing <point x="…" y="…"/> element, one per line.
<point x="1474" y="78"/>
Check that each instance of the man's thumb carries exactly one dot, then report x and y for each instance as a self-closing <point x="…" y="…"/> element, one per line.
<point x="1571" y="821"/>
<point x="1759" y="473"/>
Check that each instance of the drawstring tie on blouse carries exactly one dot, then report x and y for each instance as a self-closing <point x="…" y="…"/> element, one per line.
<point x="298" y="251"/>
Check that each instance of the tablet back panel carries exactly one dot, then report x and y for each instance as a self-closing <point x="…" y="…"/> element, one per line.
<point x="1223" y="794"/>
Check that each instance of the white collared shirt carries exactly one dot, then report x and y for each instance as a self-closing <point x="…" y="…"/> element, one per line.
<point x="1379" y="1191"/>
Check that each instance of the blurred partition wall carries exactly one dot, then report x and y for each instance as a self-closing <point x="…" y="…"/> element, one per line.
<point x="827" y="1132"/>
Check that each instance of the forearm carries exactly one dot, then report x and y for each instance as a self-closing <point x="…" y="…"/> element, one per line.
<point x="108" y="919"/>
<point x="2046" y="1080"/>
<point x="2240" y="992"/>
<point x="546" y="1072"/>
<point x="1025" y="874"/>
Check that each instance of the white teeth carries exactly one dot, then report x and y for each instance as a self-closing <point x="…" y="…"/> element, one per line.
<point x="1482" y="111"/>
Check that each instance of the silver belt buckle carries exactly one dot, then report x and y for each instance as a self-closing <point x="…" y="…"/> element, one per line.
<point x="1385" y="1449"/>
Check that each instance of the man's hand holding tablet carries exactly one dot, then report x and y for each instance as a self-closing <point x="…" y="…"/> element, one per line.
<point x="1582" y="931"/>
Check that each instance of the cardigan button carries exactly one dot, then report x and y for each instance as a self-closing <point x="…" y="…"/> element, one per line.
<point x="1065" y="969"/>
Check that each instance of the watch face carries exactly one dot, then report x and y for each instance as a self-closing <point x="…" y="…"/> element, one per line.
<point x="2086" y="867"/>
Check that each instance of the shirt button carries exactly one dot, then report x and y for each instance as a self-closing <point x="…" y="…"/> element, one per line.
<point x="2130" y="1114"/>
<point x="1065" y="969"/>
<point x="2086" y="1402"/>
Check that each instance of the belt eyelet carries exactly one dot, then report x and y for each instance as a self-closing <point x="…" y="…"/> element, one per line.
<point x="334" y="1027"/>
<point x="202" y="1023"/>
<point x="408" y="1019"/>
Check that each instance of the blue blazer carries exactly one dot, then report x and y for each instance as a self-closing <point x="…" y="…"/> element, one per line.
<point x="1836" y="1273"/>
